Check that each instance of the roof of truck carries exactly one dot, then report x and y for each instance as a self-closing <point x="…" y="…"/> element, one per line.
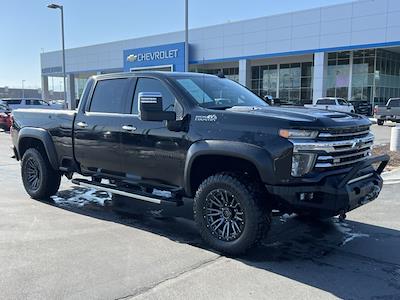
<point x="157" y="74"/>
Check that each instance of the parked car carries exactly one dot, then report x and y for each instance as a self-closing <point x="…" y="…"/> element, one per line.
<point x="362" y="107"/>
<point x="5" y="117"/>
<point x="388" y="112"/>
<point x="206" y="142"/>
<point x="15" y="103"/>
<point x="57" y="104"/>
<point x="331" y="103"/>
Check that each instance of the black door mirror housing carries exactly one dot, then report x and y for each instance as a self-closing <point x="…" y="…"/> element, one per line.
<point x="151" y="108"/>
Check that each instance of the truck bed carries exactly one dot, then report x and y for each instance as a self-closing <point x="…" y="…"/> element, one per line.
<point x="59" y="123"/>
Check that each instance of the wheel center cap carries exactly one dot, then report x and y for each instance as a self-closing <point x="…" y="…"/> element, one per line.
<point x="226" y="212"/>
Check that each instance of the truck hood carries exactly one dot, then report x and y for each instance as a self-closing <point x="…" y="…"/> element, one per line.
<point x="304" y="117"/>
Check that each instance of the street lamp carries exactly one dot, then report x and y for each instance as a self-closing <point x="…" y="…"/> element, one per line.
<point x="56" y="6"/>
<point x="23" y="90"/>
<point x="186" y="35"/>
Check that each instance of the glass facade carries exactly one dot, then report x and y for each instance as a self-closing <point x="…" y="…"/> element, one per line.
<point x="373" y="74"/>
<point x="230" y="73"/>
<point x="290" y="82"/>
<point x="387" y="75"/>
<point x="338" y="74"/>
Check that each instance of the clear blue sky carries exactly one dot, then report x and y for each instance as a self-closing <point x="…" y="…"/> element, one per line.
<point x="28" y="27"/>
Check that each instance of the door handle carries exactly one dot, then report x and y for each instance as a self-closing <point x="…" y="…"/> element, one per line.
<point x="129" y="128"/>
<point x="82" y="124"/>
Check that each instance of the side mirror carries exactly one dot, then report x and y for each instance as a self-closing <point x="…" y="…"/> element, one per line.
<point x="151" y="108"/>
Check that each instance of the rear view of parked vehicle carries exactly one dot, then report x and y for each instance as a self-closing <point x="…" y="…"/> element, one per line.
<point x="388" y="112"/>
<point x="5" y="117"/>
<point x="335" y="104"/>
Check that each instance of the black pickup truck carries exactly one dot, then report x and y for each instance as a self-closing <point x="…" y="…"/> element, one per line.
<point x="205" y="138"/>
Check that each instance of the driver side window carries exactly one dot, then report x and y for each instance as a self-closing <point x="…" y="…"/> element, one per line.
<point x="153" y="85"/>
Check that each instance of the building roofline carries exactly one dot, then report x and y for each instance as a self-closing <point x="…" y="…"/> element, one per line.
<point x="208" y="26"/>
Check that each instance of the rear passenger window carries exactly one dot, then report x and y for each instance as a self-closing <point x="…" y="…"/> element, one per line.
<point x="153" y="85"/>
<point x="395" y="103"/>
<point x="110" y="96"/>
<point x="326" y="102"/>
<point x="13" y="102"/>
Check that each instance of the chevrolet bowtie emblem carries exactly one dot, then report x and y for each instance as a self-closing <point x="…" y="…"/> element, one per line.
<point x="132" y="58"/>
<point x="357" y="144"/>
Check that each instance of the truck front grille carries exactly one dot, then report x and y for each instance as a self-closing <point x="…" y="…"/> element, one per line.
<point x="343" y="134"/>
<point x="349" y="146"/>
<point x="338" y="148"/>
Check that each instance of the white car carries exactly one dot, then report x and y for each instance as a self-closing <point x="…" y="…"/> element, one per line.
<point x="15" y="103"/>
<point x="330" y="103"/>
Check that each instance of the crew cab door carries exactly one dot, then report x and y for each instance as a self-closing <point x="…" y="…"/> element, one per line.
<point x="149" y="149"/>
<point x="99" y="124"/>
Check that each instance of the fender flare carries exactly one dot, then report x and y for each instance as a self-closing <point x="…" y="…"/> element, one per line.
<point x="256" y="155"/>
<point x="43" y="136"/>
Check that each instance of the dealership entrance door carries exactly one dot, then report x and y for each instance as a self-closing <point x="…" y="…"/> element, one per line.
<point x="165" y="68"/>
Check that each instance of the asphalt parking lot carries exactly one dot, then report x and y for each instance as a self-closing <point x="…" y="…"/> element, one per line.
<point x="76" y="247"/>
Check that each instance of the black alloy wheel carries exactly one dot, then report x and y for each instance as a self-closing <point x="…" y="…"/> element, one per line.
<point x="225" y="217"/>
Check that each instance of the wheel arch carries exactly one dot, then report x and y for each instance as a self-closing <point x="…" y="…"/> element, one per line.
<point x="36" y="138"/>
<point x="213" y="156"/>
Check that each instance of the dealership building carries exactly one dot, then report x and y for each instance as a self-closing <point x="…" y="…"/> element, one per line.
<point x="348" y="50"/>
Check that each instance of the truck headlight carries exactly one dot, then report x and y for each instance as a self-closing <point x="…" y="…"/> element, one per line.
<point x="298" y="134"/>
<point x="302" y="163"/>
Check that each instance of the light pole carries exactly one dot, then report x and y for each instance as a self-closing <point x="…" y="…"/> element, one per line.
<point x="23" y="89"/>
<point x="186" y="35"/>
<point x="56" y="6"/>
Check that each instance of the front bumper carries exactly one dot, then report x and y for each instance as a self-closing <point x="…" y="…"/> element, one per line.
<point x="333" y="194"/>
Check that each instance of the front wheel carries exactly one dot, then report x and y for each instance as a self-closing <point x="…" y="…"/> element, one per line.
<point x="40" y="180"/>
<point x="230" y="214"/>
<point x="380" y="122"/>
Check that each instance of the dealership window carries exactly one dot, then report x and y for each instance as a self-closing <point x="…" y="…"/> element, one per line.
<point x="264" y="80"/>
<point x="230" y="73"/>
<point x="110" y="96"/>
<point x="386" y="76"/>
<point x="363" y="75"/>
<point x="338" y="74"/>
<point x="295" y="81"/>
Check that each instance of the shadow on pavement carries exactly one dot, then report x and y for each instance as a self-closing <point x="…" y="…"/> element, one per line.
<point x="348" y="260"/>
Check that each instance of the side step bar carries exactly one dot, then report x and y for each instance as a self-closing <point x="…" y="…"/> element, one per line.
<point x="127" y="192"/>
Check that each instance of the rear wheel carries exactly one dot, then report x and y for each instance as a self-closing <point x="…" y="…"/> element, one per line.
<point x="39" y="178"/>
<point x="230" y="214"/>
<point x="380" y="122"/>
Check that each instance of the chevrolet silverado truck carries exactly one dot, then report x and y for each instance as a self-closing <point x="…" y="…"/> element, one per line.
<point x="206" y="139"/>
<point x="388" y="112"/>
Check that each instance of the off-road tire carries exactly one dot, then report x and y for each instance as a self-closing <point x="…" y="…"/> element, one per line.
<point x="256" y="213"/>
<point x="48" y="181"/>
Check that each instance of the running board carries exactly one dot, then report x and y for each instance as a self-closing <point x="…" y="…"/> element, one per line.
<point x="126" y="192"/>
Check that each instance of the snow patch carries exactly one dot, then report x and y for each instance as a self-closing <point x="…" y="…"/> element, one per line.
<point x="348" y="233"/>
<point x="285" y="217"/>
<point x="83" y="197"/>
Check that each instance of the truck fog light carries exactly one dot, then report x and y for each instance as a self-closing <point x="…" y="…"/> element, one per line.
<point x="302" y="163"/>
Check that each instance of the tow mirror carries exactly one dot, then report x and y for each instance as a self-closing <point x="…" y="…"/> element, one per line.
<point x="151" y="108"/>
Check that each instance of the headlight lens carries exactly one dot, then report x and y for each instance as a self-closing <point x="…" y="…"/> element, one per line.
<point x="302" y="163"/>
<point x="298" y="134"/>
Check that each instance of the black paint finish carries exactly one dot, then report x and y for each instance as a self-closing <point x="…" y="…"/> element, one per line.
<point x="164" y="152"/>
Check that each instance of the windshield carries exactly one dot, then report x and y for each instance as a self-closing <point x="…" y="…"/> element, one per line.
<point x="218" y="93"/>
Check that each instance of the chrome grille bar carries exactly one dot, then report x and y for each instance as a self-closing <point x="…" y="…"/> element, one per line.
<point x="334" y="135"/>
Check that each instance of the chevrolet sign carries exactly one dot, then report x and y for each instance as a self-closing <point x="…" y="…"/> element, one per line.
<point x="156" y="55"/>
